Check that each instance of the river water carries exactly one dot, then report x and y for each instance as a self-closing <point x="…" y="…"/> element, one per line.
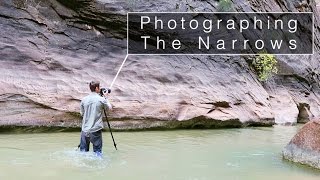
<point x="249" y="153"/>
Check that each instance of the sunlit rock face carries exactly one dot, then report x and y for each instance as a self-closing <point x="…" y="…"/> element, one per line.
<point x="51" y="50"/>
<point x="304" y="147"/>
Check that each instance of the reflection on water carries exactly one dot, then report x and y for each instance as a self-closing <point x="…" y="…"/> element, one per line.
<point x="251" y="153"/>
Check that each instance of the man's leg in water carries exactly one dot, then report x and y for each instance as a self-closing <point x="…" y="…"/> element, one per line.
<point x="96" y="140"/>
<point x="84" y="142"/>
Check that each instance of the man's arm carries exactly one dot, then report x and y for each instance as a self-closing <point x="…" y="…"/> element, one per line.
<point x="106" y="103"/>
<point x="81" y="108"/>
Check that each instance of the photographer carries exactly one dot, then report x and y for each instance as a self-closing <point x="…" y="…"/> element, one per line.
<point x="91" y="109"/>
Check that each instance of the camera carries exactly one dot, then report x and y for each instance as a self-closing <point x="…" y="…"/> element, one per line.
<point x="104" y="91"/>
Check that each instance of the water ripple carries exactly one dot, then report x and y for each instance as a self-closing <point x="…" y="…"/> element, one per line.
<point x="81" y="159"/>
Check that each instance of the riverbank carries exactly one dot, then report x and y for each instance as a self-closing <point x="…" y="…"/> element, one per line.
<point x="132" y="125"/>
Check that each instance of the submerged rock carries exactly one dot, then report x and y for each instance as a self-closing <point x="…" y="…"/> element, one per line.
<point x="304" y="147"/>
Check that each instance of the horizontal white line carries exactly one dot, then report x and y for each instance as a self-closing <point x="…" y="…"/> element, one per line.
<point x="221" y="12"/>
<point x="214" y="54"/>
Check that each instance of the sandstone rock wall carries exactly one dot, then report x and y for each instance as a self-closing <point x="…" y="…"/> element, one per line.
<point x="51" y="49"/>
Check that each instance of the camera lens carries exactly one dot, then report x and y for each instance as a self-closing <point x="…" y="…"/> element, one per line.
<point x="104" y="91"/>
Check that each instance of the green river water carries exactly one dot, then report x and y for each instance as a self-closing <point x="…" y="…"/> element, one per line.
<point x="249" y="153"/>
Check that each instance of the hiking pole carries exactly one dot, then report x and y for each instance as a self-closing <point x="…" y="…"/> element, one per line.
<point x="114" y="143"/>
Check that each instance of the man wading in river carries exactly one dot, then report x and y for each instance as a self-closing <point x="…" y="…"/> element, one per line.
<point x="91" y="108"/>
